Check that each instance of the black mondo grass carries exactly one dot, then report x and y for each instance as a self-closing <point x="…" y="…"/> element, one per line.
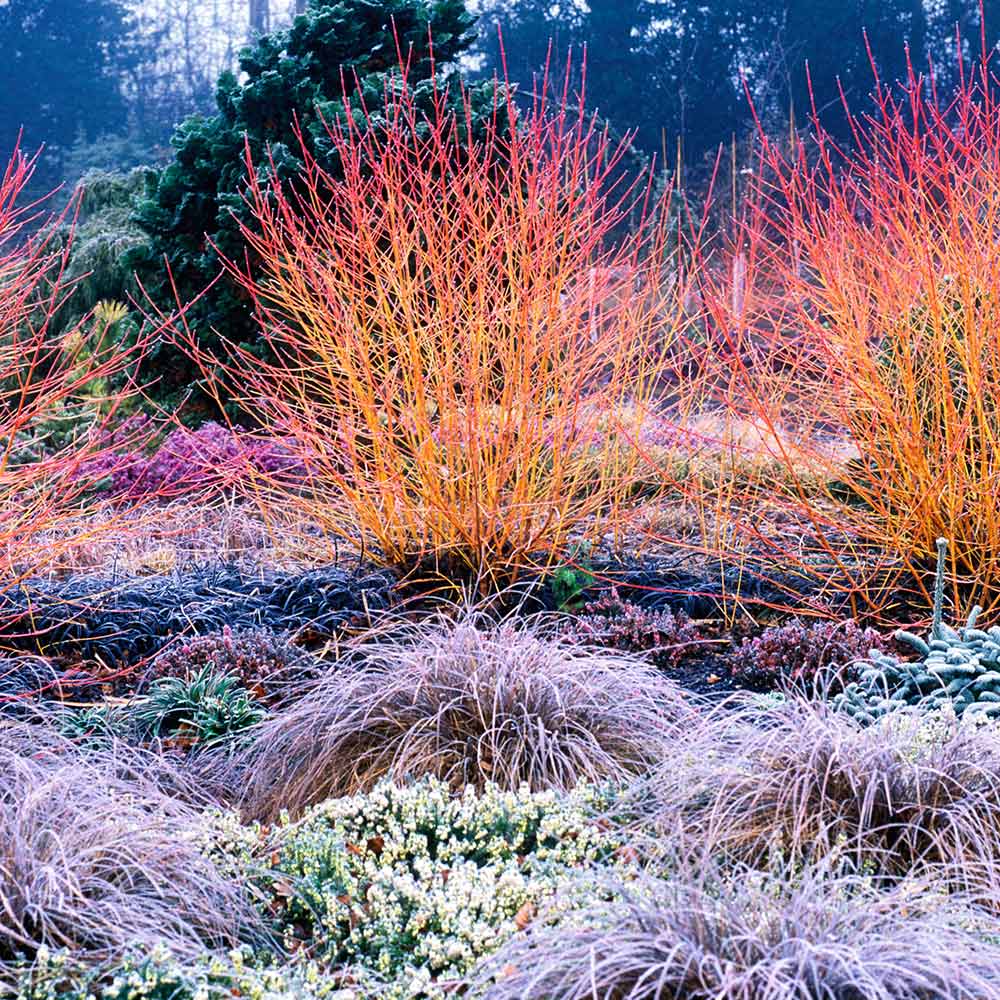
<point x="121" y="622"/>
<point x="468" y="702"/>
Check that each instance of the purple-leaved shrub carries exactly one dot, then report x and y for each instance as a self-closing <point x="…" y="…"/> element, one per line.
<point x="614" y="623"/>
<point x="803" y="654"/>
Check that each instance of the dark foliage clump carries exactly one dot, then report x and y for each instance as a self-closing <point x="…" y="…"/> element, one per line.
<point x="61" y="76"/>
<point x="121" y="623"/>
<point x="803" y="654"/>
<point x="23" y="679"/>
<point x="700" y="592"/>
<point x="620" y="624"/>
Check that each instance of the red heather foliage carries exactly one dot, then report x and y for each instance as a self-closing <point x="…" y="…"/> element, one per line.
<point x="615" y="623"/>
<point x="453" y="320"/>
<point x="210" y="458"/>
<point x="806" y="654"/>
<point x="263" y="661"/>
<point x="856" y="315"/>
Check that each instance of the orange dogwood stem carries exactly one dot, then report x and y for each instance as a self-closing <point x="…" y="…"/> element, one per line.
<point x="459" y="325"/>
<point x="866" y="338"/>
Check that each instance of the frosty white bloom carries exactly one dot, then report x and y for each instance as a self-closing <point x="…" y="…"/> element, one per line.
<point x="417" y="885"/>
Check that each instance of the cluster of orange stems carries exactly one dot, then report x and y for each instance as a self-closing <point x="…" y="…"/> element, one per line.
<point x="55" y="410"/>
<point x="473" y="331"/>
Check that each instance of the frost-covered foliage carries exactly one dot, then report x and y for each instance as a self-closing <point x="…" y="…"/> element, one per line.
<point x="22" y="678"/>
<point x="753" y="936"/>
<point x="905" y="796"/>
<point x="212" y="455"/>
<point x="206" y="709"/>
<point x="960" y="669"/>
<point x="470" y="702"/>
<point x="122" y="622"/>
<point x="621" y="624"/>
<point x="96" y="856"/>
<point x="264" y="661"/>
<point x="158" y="975"/>
<point x="416" y="885"/>
<point x="804" y="653"/>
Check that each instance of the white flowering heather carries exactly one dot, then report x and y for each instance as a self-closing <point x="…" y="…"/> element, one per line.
<point x="234" y="847"/>
<point x="416" y="885"/>
<point x="922" y="732"/>
<point x="160" y="976"/>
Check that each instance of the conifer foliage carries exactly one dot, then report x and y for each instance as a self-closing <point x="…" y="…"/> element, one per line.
<point x="293" y="80"/>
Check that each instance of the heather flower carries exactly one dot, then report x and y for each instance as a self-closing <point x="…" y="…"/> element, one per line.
<point x="212" y="455"/>
<point x="417" y="884"/>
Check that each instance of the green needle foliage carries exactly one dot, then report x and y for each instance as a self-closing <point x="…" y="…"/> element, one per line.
<point x="291" y="82"/>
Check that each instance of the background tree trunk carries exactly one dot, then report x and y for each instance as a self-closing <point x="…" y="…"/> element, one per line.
<point x="260" y="18"/>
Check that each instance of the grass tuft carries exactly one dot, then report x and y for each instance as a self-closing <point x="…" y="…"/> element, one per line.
<point x="752" y="937"/>
<point x="909" y="795"/>
<point x="96" y="858"/>
<point x="469" y="703"/>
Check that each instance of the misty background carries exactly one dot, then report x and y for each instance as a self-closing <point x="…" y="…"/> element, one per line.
<point x="103" y="83"/>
